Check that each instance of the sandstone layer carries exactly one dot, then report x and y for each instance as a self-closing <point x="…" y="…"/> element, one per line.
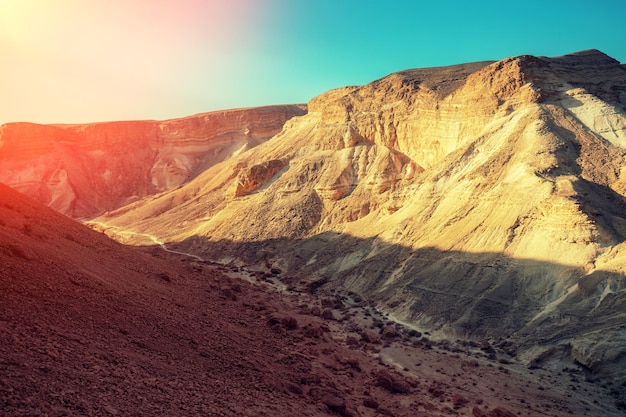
<point x="84" y="170"/>
<point x="482" y="200"/>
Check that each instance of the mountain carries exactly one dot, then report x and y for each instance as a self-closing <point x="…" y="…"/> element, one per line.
<point x="482" y="200"/>
<point x="91" y="327"/>
<point x="84" y="170"/>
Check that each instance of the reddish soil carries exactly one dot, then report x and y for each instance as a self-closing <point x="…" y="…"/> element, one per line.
<point x="89" y="327"/>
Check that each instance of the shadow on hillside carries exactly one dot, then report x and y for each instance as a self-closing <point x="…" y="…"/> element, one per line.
<point x="463" y="294"/>
<point x="606" y="207"/>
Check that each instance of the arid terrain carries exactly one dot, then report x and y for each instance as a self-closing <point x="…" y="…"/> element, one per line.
<point x="442" y="241"/>
<point x="89" y="327"/>
<point x="478" y="201"/>
<point x="85" y="170"/>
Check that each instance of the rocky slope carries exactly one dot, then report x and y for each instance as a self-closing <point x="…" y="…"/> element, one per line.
<point x="480" y="200"/>
<point x="89" y="327"/>
<point x="84" y="170"/>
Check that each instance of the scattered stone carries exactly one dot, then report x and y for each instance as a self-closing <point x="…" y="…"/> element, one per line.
<point x="389" y="332"/>
<point x="501" y="412"/>
<point x="392" y="383"/>
<point x="370" y="337"/>
<point x="369" y="402"/>
<point x="459" y="401"/>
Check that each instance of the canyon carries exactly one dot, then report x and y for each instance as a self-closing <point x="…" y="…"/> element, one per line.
<point x="479" y="201"/>
<point x="90" y="327"/>
<point x="482" y="203"/>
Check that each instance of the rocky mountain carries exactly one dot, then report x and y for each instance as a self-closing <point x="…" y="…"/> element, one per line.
<point x="89" y="327"/>
<point x="84" y="170"/>
<point x="478" y="201"/>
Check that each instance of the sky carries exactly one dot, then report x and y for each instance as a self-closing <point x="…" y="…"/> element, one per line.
<point x="79" y="61"/>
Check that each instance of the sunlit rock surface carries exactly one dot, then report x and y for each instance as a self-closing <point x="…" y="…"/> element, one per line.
<point x="84" y="170"/>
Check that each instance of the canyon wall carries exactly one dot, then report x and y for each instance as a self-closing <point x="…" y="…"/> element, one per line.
<point x="84" y="170"/>
<point x="479" y="200"/>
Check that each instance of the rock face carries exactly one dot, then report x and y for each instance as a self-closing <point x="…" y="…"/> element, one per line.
<point x="483" y="200"/>
<point x="250" y="179"/>
<point x="84" y="170"/>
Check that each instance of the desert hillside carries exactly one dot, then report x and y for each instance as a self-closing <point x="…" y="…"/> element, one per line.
<point x="84" y="170"/>
<point x="89" y="327"/>
<point x="482" y="200"/>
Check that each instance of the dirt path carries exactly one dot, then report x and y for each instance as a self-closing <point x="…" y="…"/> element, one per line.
<point x="124" y="235"/>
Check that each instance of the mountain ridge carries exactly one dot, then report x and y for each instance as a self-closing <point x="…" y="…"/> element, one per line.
<point x="85" y="169"/>
<point x="521" y="157"/>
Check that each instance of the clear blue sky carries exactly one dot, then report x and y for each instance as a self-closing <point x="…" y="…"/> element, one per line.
<point x="93" y="60"/>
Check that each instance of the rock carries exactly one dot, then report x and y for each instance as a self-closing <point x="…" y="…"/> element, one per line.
<point x="388" y="332"/>
<point x="370" y="337"/>
<point x="249" y="179"/>
<point x="436" y="391"/>
<point x="369" y="402"/>
<point x="327" y="314"/>
<point x="459" y="401"/>
<point x="352" y="341"/>
<point x="501" y="412"/>
<point x="316" y="311"/>
<point x="314" y="332"/>
<point x="477" y="412"/>
<point x="286" y="322"/>
<point x="332" y="399"/>
<point x="393" y="383"/>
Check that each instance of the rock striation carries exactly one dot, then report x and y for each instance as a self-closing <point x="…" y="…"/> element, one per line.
<point x="84" y="170"/>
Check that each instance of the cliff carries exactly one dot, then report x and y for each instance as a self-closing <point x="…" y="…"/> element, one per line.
<point x="84" y="170"/>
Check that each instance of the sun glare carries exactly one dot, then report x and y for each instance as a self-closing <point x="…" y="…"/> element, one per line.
<point x="107" y="60"/>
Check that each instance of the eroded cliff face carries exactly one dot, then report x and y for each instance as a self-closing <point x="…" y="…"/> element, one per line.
<point x="481" y="200"/>
<point x="84" y="170"/>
